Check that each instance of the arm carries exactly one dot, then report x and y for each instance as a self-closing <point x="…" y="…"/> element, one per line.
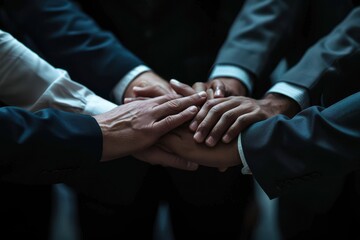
<point x="316" y="150"/>
<point x="46" y="146"/>
<point x="29" y="82"/>
<point x="316" y="144"/>
<point x="71" y="40"/>
<point x="49" y="145"/>
<point x="256" y="41"/>
<point x="329" y="64"/>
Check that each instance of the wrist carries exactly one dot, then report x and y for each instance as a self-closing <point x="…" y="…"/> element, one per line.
<point x="281" y="104"/>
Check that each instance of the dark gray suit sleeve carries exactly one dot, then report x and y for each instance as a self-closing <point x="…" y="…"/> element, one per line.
<point x="332" y="62"/>
<point x="47" y="146"/>
<point x="259" y="33"/>
<point x="316" y="146"/>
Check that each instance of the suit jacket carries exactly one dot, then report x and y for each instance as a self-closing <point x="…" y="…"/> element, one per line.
<point x="311" y="162"/>
<point x="267" y="31"/>
<point x="71" y="40"/>
<point x="67" y="38"/>
<point x="177" y="39"/>
<point x="47" y="146"/>
<point x="319" y="143"/>
<point x="329" y="70"/>
<point x="186" y="34"/>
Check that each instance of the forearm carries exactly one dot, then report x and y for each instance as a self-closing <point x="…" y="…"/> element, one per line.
<point x="71" y="40"/>
<point x="47" y="145"/>
<point x="330" y="63"/>
<point x="29" y="82"/>
<point x="285" y="153"/>
<point x="257" y="37"/>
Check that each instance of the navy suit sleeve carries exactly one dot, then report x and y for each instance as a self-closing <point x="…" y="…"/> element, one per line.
<point x="70" y="39"/>
<point x="317" y="146"/>
<point x="46" y="146"/>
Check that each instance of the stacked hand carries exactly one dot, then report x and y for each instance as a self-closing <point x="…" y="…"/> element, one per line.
<point x="137" y="125"/>
<point x="223" y="116"/>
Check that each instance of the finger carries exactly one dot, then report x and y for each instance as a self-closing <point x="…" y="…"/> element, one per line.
<point x="181" y="88"/>
<point x="221" y="127"/>
<point x="210" y="93"/>
<point x="203" y="113"/>
<point x="128" y="100"/>
<point x="199" y="86"/>
<point x="156" y="155"/>
<point x="219" y="88"/>
<point x="173" y="121"/>
<point x="210" y="120"/>
<point x="167" y="159"/>
<point x="177" y="105"/>
<point x="239" y="125"/>
<point x="150" y="91"/>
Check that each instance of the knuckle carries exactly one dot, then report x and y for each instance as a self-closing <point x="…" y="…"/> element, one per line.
<point x="169" y="121"/>
<point x="215" y="110"/>
<point x="228" y="116"/>
<point x="203" y="127"/>
<point x="175" y="104"/>
<point x="241" y="120"/>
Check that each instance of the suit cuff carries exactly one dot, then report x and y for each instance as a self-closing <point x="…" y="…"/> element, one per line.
<point x="233" y="72"/>
<point x="120" y="88"/>
<point x="245" y="170"/>
<point x="297" y="93"/>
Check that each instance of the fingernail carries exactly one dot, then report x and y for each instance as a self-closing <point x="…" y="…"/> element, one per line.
<point x="193" y="109"/>
<point x="217" y="92"/>
<point x="193" y="126"/>
<point x="174" y="81"/>
<point x="192" y="166"/>
<point x="202" y="94"/>
<point x="226" y="139"/>
<point x="198" y="137"/>
<point x="137" y="88"/>
<point x="210" y="141"/>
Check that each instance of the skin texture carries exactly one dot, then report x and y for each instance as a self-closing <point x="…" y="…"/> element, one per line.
<point x="218" y="122"/>
<point x="181" y="143"/>
<point x="137" y="125"/>
<point x="223" y="118"/>
<point x="222" y="87"/>
<point x="148" y="79"/>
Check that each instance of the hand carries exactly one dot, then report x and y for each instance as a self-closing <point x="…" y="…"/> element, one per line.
<point x="148" y="84"/>
<point x="181" y="143"/>
<point x="186" y="90"/>
<point x="223" y="87"/>
<point x="225" y="118"/>
<point x="156" y="155"/>
<point x="137" y="125"/>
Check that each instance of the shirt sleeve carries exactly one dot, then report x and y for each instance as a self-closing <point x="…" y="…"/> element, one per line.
<point x="30" y="82"/>
<point x="297" y="93"/>
<point x="120" y="88"/>
<point x="245" y="170"/>
<point x="233" y="72"/>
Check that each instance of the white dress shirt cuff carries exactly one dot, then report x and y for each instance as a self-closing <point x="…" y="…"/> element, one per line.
<point x="297" y="93"/>
<point x="245" y="169"/>
<point x="120" y="88"/>
<point x="67" y="95"/>
<point x="233" y="72"/>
